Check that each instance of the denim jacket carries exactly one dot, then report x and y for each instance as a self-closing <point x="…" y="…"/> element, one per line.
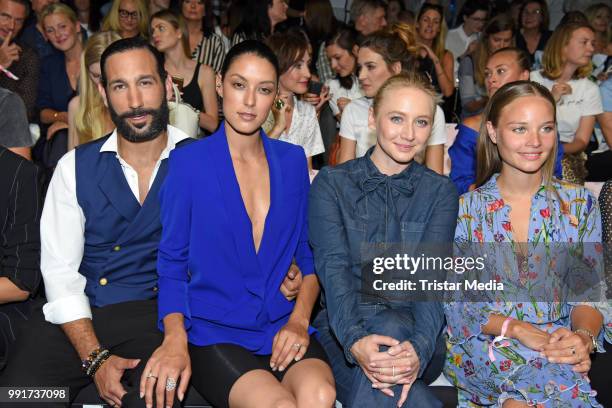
<point x="354" y="204"/>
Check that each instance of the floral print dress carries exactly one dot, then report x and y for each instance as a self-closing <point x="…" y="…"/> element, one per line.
<point x="518" y="372"/>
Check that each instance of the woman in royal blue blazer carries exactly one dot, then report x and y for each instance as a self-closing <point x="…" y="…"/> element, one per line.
<point x="234" y="216"/>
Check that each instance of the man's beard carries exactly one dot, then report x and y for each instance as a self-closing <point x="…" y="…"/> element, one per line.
<point x="159" y="123"/>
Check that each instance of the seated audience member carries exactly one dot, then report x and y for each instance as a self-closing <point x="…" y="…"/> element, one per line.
<point x="15" y="56"/>
<point x="238" y="187"/>
<point x="463" y="40"/>
<point x="394" y="9"/>
<point x="497" y="34"/>
<point x="19" y="247"/>
<point x="434" y="58"/>
<point x="368" y="16"/>
<point x="598" y="161"/>
<point x="319" y="24"/>
<point x="58" y="77"/>
<point x="170" y="36"/>
<point x="100" y="231"/>
<point x="89" y="16"/>
<point x="368" y="201"/>
<point x="382" y="55"/>
<point x="344" y="88"/>
<point x="153" y="6"/>
<point x="259" y="19"/>
<point x="503" y="66"/>
<point x="295" y="120"/>
<point x="33" y="34"/>
<point x="533" y="33"/>
<point x="88" y="116"/>
<point x="205" y="46"/>
<point x="566" y="66"/>
<point x="14" y="130"/>
<point x="535" y="352"/>
<point x="599" y="16"/>
<point x="128" y="18"/>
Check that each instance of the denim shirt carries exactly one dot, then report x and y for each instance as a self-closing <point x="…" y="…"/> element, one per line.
<point x="354" y="204"/>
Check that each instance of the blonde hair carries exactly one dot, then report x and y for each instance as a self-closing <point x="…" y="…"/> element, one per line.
<point x="91" y="113"/>
<point x="592" y="11"/>
<point x="58" y="8"/>
<point x="111" y="21"/>
<point x="553" y="60"/>
<point x="488" y="159"/>
<point x="178" y="22"/>
<point x="406" y="79"/>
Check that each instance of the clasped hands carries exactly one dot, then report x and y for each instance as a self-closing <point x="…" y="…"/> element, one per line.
<point x="398" y="365"/>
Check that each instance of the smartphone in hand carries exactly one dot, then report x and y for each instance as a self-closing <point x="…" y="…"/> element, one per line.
<point x="315" y="87"/>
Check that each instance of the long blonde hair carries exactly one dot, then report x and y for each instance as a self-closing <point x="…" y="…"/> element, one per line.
<point x="553" y="60"/>
<point x="488" y="159"/>
<point x="92" y="114"/>
<point x="111" y="21"/>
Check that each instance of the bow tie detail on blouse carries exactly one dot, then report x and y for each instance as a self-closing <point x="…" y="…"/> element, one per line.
<point x="400" y="185"/>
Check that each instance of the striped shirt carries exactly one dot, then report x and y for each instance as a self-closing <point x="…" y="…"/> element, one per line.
<point x="211" y="52"/>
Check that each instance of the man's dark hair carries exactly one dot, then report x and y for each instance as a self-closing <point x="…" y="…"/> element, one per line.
<point x="250" y="47"/>
<point x="127" y="44"/>
<point x="24" y="3"/>
<point x="472" y="6"/>
<point x="359" y="7"/>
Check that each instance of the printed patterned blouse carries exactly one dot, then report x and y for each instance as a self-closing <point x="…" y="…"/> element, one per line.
<point x="570" y="215"/>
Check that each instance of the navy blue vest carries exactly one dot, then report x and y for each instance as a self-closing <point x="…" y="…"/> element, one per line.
<point x="121" y="237"/>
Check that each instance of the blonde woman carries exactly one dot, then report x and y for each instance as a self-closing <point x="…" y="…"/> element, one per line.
<point x="566" y="66"/>
<point x="435" y="58"/>
<point x="128" y="18"/>
<point x="88" y="117"/>
<point x="60" y="71"/>
<point x="170" y="36"/>
<point x="599" y="16"/>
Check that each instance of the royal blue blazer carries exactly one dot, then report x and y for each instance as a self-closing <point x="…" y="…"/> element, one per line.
<point x="207" y="264"/>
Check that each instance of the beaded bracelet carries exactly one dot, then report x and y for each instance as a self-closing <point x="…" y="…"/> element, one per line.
<point x="97" y="363"/>
<point x="86" y="364"/>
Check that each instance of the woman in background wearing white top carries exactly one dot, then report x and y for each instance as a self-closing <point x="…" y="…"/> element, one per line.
<point x="566" y="66"/>
<point x="295" y="120"/>
<point x="382" y="55"/>
<point x="345" y="87"/>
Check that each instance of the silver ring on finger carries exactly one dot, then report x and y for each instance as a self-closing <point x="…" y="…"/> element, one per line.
<point x="297" y="346"/>
<point x="170" y="384"/>
<point x="150" y="375"/>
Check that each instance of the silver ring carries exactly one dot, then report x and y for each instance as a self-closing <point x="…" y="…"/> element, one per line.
<point x="150" y="375"/>
<point x="170" y="384"/>
<point x="297" y="346"/>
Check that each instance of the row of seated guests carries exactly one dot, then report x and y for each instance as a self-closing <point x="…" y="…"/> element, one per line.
<point x="128" y="17"/>
<point x="132" y="244"/>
